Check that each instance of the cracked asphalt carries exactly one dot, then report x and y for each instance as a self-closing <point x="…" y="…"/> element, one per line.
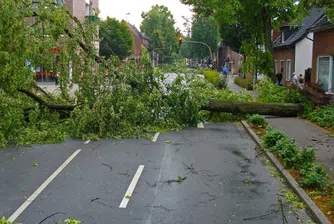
<point x="223" y="180"/>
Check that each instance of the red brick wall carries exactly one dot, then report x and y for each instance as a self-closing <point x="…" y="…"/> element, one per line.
<point x="276" y="34"/>
<point x="137" y="46"/>
<point x="323" y="45"/>
<point x="285" y="54"/>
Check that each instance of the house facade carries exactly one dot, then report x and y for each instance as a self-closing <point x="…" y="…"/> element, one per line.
<point x="140" y="40"/>
<point x="232" y="59"/>
<point x="323" y="55"/>
<point x="81" y="9"/>
<point x="293" y="47"/>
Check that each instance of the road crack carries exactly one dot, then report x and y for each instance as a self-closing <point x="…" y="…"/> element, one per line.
<point x="50" y="216"/>
<point x="110" y="167"/>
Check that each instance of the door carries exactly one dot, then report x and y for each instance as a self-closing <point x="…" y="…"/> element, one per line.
<point x="325" y="73"/>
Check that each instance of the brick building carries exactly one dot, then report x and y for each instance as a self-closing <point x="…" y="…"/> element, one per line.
<point x="139" y="40"/>
<point x="323" y="54"/>
<point x="293" y="46"/>
<point x="232" y="59"/>
<point x="81" y="9"/>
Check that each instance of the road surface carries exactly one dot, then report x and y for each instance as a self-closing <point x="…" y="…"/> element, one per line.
<point x="135" y="181"/>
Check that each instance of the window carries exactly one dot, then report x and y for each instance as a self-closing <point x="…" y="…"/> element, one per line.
<point x="288" y="70"/>
<point x="87" y="9"/>
<point x="325" y="73"/>
<point x="282" y="66"/>
<point x="276" y="69"/>
<point x="60" y="2"/>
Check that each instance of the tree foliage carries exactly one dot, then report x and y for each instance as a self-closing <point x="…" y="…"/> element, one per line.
<point x="326" y="4"/>
<point x="129" y="103"/>
<point x="257" y="18"/>
<point x="158" y="25"/>
<point x="204" y="29"/>
<point x="115" y="38"/>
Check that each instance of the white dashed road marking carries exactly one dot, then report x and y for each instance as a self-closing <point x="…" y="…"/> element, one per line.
<point x="200" y="125"/>
<point x="131" y="188"/>
<point x="155" y="137"/>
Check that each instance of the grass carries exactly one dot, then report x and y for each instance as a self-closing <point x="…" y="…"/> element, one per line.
<point x="246" y="83"/>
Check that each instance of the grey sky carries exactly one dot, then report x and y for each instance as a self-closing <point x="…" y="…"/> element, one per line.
<point x="119" y="8"/>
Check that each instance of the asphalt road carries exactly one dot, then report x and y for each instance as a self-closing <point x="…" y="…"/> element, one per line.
<point x="223" y="180"/>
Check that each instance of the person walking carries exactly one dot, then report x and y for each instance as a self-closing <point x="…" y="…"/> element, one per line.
<point x="279" y="77"/>
<point x="225" y="71"/>
<point x="295" y="79"/>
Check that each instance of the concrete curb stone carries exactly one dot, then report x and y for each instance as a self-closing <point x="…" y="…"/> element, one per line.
<point x="316" y="212"/>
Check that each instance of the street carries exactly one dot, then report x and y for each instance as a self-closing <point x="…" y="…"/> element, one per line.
<point x="197" y="175"/>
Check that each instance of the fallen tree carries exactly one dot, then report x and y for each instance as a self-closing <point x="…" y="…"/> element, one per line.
<point x="276" y="109"/>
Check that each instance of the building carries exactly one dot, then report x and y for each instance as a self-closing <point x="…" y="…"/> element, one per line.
<point x="232" y="59"/>
<point x="323" y="54"/>
<point x="140" y="39"/>
<point x="293" y="46"/>
<point x="83" y="10"/>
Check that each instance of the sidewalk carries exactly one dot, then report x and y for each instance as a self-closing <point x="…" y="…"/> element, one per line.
<point x="308" y="135"/>
<point x="235" y="88"/>
<point x="305" y="133"/>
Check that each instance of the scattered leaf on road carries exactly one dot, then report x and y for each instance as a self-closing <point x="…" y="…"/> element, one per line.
<point x="35" y="164"/>
<point x="168" y="142"/>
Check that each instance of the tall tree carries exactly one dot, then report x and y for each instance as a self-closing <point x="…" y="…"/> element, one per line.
<point x="204" y="29"/>
<point x="158" y="25"/>
<point x="328" y="5"/>
<point x="116" y="38"/>
<point x="258" y="17"/>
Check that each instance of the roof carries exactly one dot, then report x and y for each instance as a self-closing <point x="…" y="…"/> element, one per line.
<point x="139" y="35"/>
<point x="301" y="32"/>
<point x="322" y="25"/>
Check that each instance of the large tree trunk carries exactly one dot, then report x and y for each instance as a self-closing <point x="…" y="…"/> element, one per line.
<point x="276" y="109"/>
<point x="267" y="26"/>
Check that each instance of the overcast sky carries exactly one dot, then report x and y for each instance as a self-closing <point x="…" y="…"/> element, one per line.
<point x="119" y="8"/>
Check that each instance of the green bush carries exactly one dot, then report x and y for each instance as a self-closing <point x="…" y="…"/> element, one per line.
<point x="221" y="83"/>
<point x="211" y="76"/>
<point x="315" y="177"/>
<point x="307" y="157"/>
<point x="245" y="83"/>
<point x="269" y="92"/>
<point x="258" y="121"/>
<point x="272" y="136"/>
<point x="323" y="116"/>
<point x="286" y="148"/>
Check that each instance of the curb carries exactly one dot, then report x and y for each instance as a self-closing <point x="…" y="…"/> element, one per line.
<point x="319" y="217"/>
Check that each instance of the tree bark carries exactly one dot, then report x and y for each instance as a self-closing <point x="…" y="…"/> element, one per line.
<point x="215" y="105"/>
<point x="39" y="100"/>
<point x="276" y="109"/>
<point x="267" y="26"/>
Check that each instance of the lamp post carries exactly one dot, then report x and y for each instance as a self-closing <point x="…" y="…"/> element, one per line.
<point x="199" y="42"/>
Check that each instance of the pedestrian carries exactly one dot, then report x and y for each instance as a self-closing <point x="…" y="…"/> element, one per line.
<point x="225" y="71"/>
<point x="295" y="79"/>
<point x="57" y="78"/>
<point x="301" y="80"/>
<point x="279" y="77"/>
